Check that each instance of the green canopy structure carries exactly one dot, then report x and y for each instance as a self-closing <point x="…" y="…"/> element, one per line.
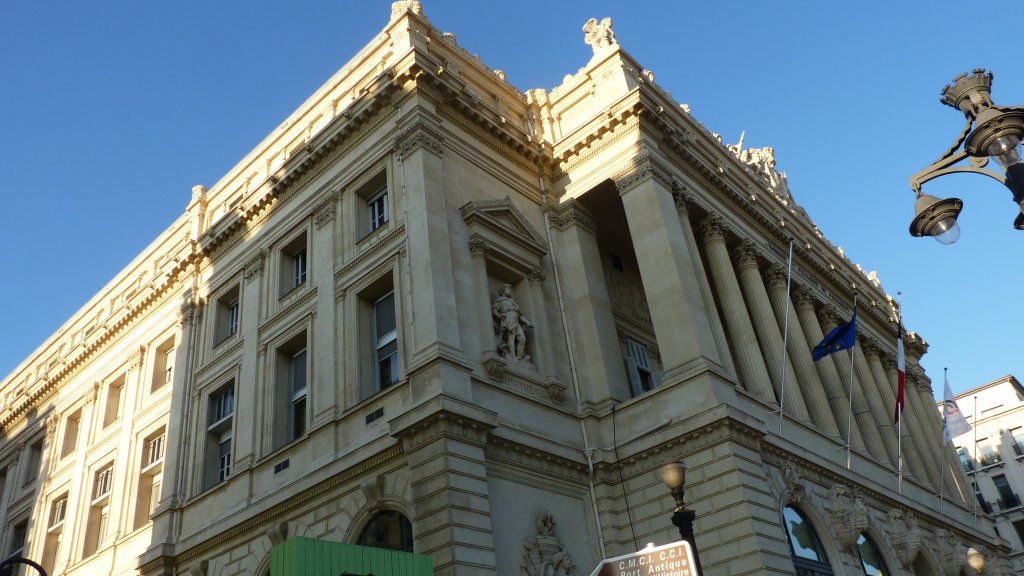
<point x="308" y="557"/>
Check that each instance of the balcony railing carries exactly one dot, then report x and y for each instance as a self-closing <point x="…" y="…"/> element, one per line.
<point x="1010" y="501"/>
<point x="989" y="459"/>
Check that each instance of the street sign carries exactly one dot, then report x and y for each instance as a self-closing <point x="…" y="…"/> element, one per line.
<point x="675" y="559"/>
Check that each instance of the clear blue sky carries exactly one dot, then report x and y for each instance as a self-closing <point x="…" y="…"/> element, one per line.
<point x="113" y="110"/>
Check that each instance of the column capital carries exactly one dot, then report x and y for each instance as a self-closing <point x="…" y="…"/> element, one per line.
<point x="254" y="266"/>
<point x="712" y="228"/>
<point x="324" y="213"/>
<point x="571" y="213"/>
<point x="642" y="168"/>
<point x="536" y="276"/>
<point x="804" y="298"/>
<point x="870" y="347"/>
<point x="746" y="254"/>
<point x="478" y="246"/>
<point x="419" y="135"/>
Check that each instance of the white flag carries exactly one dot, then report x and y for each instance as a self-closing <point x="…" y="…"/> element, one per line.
<point x="953" y="421"/>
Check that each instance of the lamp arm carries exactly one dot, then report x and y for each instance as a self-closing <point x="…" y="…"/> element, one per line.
<point x="958" y="142"/>
<point x="945" y="166"/>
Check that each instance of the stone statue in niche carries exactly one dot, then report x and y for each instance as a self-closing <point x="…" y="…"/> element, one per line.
<point x="543" y="554"/>
<point x="512" y="324"/>
<point x="599" y="35"/>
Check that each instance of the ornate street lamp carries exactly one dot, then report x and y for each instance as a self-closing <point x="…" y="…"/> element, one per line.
<point x="991" y="131"/>
<point x="673" y="475"/>
<point x="976" y="560"/>
<point x="6" y="567"/>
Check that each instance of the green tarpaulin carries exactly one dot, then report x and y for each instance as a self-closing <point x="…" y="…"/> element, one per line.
<point x="307" y="557"/>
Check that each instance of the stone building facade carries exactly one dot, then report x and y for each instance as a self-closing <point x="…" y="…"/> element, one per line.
<point x="992" y="455"/>
<point x="433" y="311"/>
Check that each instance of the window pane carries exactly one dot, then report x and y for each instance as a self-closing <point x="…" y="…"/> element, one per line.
<point x="390" y="530"/>
<point x="870" y="557"/>
<point x="802" y="537"/>
<point x="387" y="364"/>
<point x="384" y="316"/>
<point x="297" y="374"/>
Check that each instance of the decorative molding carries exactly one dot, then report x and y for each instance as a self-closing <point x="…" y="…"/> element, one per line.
<point x="543" y="553"/>
<point x="745" y="254"/>
<point x="494" y="366"/>
<point x="323" y="214"/>
<point x="804" y="298"/>
<point x="849" y="514"/>
<point x="712" y="229"/>
<point x="419" y="135"/>
<point x="793" y="481"/>
<point x="536" y="276"/>
<point x="478" y="246"/>
<point x="520" y="456"/>
<point x="254" y="266"/>
<point x="905" y="535"/>
<point x="571" y="213"/>
<point x="641" y="169"/>
<point x="371" y="251"/>
<point x="445" y="424"/>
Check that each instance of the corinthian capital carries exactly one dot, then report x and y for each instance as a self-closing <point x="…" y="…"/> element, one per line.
<point x="712" y="229"/>
<point x="746" y="254"/>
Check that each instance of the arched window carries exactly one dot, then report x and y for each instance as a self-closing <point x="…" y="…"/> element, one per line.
<point x="389" y="529"/>
<point x="809" y="557"/>
<point x="871" y="557"/>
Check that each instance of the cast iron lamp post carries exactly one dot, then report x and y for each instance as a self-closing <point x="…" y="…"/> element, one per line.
<point x="991" y="130"/>
<point x="976" y="560"/>
<point x="6" y="567"/>
<point x="673" y="475"/>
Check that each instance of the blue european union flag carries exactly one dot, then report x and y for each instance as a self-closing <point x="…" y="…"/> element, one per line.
<point x="840" y="338"/>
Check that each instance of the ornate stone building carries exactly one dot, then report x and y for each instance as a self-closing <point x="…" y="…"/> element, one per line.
<point x="438" y="313"/>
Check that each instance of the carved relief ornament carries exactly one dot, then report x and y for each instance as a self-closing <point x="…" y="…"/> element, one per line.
<point x="543" y="553"/>
<point x="849" y="515"/>
<point x="905" y="535"/>
<point x="419" y="135"/>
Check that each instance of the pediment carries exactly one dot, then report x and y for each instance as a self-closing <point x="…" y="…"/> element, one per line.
<point x="500" y="224"/>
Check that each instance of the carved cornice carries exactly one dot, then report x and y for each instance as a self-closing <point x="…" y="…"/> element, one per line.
<point x="520" y="456"/>
<point x="445" y="424"/>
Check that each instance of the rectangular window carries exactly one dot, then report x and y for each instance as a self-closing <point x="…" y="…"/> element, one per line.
<point x="1007" y="498"/>
<point x="150" y="477"/>
<point x="965" y="460"/>
<point x="377" y="208"/>
<point x="112" y="408"/>
<point x="103" y="483"/>
<point x="987" y="454"/>
<point x="219" y="437"/>
<point x="163" y="365"/>
<point x="33" y="461"/>
<point x="58" y="511"/>
<point x="294" y="264"/>
<point x="1019" y="527"/>
<point x="385" y="338"/>
<point x="642" y="378"/>
<point x="297" y="395"/>
<point x="1018" y="441"/>
<point x="19" y="533"/>
<point x="227" y="314"/>
<point x="71" y="427"/>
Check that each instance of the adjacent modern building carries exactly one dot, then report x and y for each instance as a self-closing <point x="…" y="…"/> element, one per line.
<point x="436" y="314"/>
<point x="992" y="455"/>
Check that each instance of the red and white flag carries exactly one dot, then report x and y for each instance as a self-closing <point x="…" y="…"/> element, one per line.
<point x="901" y="373"/>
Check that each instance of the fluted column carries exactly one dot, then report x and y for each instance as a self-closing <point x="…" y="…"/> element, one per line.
<point x="767" y="330"/>
<point x="800" y="354"/>
<point x="836" y="391"/>
<point x="861" y="410"/>
<point x="873" y="394"/>
<point x="750" y="363"/>
<point x="913" y="464"/>
<point x="914" y="427"/>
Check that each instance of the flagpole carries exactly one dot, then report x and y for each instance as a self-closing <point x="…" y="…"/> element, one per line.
<point x="849" y="415"/>
<point x="785" y="333"/>
<point x="899" y="406"/>
<point x="942" y="440"/>
<point x="975" y="451"/>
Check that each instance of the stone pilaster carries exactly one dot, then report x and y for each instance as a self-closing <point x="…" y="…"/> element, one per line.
<point x="682" y="320"/>
<point x="586" y="296"/>
<point x="750" y="363"/>
<point x="800" y="354"/>
<point x="861" y="410"/>
<point x="836" y="390"/>
<point x="767" y="329"/>
<point x="444" y="440"/>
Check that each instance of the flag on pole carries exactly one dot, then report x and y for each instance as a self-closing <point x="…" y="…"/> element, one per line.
<point x="901" y="373"/>
<point x="840" y="338"/>
<point x="953" y="421"/>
